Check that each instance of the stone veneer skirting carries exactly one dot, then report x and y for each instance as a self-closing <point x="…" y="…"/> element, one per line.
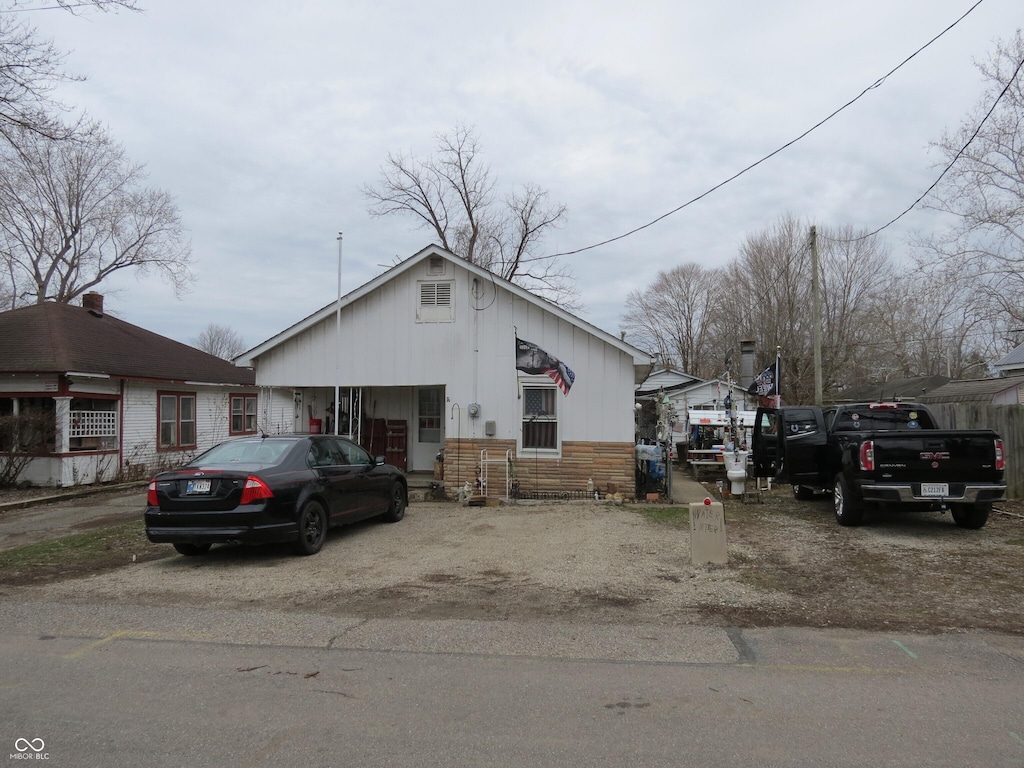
<point x="607" y="464"/>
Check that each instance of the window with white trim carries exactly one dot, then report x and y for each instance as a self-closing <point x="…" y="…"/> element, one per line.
<point x="435" y="302"/>
<point x="540" y="418"/>
<point x="177" y="420"/>
<point x="243" y="414"/>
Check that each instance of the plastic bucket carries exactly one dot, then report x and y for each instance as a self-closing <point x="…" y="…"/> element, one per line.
<point x="315" y="426"/>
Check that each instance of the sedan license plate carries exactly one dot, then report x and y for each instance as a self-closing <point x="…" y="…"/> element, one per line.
<point x="196" y="487"/>
<point x="935" y="489"/>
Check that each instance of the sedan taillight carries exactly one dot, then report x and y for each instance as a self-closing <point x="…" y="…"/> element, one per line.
<point x="255" y="490"/>
<point x="151" y="498"/>
<point x="1000" y="456"/>
<point x="867" y="456"/>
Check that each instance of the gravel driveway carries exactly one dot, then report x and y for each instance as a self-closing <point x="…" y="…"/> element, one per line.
<point x="789" y="564"/>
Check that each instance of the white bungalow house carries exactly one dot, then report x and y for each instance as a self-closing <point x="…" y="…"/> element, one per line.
<point x="88" y="398"/>
<point x="420" y="365"/>
<point x="1012" y="363"/>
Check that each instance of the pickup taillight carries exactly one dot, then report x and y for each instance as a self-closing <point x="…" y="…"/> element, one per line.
<point x="1000" y="456"/>
<point x="867" y="456"/>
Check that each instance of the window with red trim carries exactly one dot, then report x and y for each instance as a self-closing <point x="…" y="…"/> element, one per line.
<point x="243" y="414"/>
<point x="177" y="420"/>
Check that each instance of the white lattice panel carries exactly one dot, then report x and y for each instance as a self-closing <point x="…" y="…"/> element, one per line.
<point x="93" y="424"/>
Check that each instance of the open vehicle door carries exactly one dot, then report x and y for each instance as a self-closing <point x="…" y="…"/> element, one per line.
<point x="788" y="445"/>
<point x="765" y="447"/>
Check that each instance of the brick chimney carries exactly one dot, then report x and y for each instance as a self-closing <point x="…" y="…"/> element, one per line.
<point x="93" y="302"/>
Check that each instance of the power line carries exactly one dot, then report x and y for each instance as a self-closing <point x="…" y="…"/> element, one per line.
<point x="770" y="155"/>
<point x="949" y="167"/>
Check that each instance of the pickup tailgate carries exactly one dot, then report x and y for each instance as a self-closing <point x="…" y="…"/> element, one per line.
<point x="936" y="463"/>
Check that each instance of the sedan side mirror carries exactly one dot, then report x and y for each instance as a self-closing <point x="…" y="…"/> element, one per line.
<point x="379" y="460"/>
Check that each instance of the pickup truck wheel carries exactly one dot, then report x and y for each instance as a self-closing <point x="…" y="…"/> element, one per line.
<point x="971" y="516"/>
<point x="849" y="511"/>
<point x="802" y="492"/>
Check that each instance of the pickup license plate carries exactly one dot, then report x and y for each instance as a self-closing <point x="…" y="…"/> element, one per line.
<point x="935" y="489"/>
<point x="197" y="487"/>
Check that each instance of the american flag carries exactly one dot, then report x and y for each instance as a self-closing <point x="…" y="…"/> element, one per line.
<point x="532" y="359"/>
<point x="563" y="376"/>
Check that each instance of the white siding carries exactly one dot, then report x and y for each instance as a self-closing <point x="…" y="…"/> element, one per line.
<point x="381" y="344"/>
<point x="139" y="434"/>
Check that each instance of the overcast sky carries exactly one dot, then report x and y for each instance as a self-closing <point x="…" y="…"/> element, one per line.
<point x="265" y="119"/>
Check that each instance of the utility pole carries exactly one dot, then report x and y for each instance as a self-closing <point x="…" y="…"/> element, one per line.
<point x="816" y="319"/>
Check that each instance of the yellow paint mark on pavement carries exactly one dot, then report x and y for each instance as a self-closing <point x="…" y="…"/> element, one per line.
<point x="103" y="641"/>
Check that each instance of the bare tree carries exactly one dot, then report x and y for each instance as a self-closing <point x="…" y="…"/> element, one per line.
<point x="221" y="341"/>
<point x="984" y="189"/>
<point x="72" y="213"/>
<point x="674" y="317"/>
<point x="30" y="68"/>
<point x="453" y="194"/>
<point x="767" y="297"/>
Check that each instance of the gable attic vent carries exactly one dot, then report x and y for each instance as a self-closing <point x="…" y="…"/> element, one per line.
<point x="435" y="265"/>
<point x="435" y="304"/>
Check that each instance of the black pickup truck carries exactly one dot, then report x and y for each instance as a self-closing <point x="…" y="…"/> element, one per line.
<point x="880" y="454"/>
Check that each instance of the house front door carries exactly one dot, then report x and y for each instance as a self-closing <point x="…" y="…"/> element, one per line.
<point x="396" y="450"/>
<point x="429" y="428"/>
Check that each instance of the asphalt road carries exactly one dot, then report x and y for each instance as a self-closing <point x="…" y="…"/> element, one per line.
<point x="124" y="685"/>
<point x="114" y="684"/>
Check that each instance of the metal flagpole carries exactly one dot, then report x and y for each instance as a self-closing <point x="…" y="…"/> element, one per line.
<point x="337" y="348"/>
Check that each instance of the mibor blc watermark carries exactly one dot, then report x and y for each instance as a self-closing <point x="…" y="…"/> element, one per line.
<point x="29" y="749"/>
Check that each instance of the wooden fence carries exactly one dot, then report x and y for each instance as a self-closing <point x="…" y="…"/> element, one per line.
<point x="1007" y="420"/>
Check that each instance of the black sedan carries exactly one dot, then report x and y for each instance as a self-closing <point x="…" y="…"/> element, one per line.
<point x="281" y="488"/>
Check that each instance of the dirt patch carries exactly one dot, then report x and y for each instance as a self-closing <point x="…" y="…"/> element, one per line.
<point x="789" y="564"/>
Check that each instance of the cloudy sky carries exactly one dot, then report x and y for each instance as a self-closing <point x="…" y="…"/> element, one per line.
<point x="265" y="119"/>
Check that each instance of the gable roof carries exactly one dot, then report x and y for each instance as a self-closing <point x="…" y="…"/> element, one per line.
<point x="1013" y="360"/>
<point x="640" y="358"/>
<point x="61" y="338"/>
<point x="912" y="388"/>
<point x="654" y="382"/>
<point x="972" y="390"/>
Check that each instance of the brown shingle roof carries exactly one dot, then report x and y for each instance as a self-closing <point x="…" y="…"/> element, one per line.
<point x="972" y="390"/>
<point x="58" y="338"/>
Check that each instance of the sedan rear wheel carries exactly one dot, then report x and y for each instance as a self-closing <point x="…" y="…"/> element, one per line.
<point x="396" y="509"/>
<point x="192" y="550"/>
<point x="312" y="529"/>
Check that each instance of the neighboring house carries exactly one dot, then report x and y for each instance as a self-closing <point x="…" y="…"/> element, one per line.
<point x="702" y="415"/>
<point x="421" y="363"/>
<point x="911" y="389"/>
<point x="1007" y="390"/>
<point x="666" y="378"/>
<point x="1013" y="363"/>
<point x="125" y="402"/>
<point x="687" y="393"/>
